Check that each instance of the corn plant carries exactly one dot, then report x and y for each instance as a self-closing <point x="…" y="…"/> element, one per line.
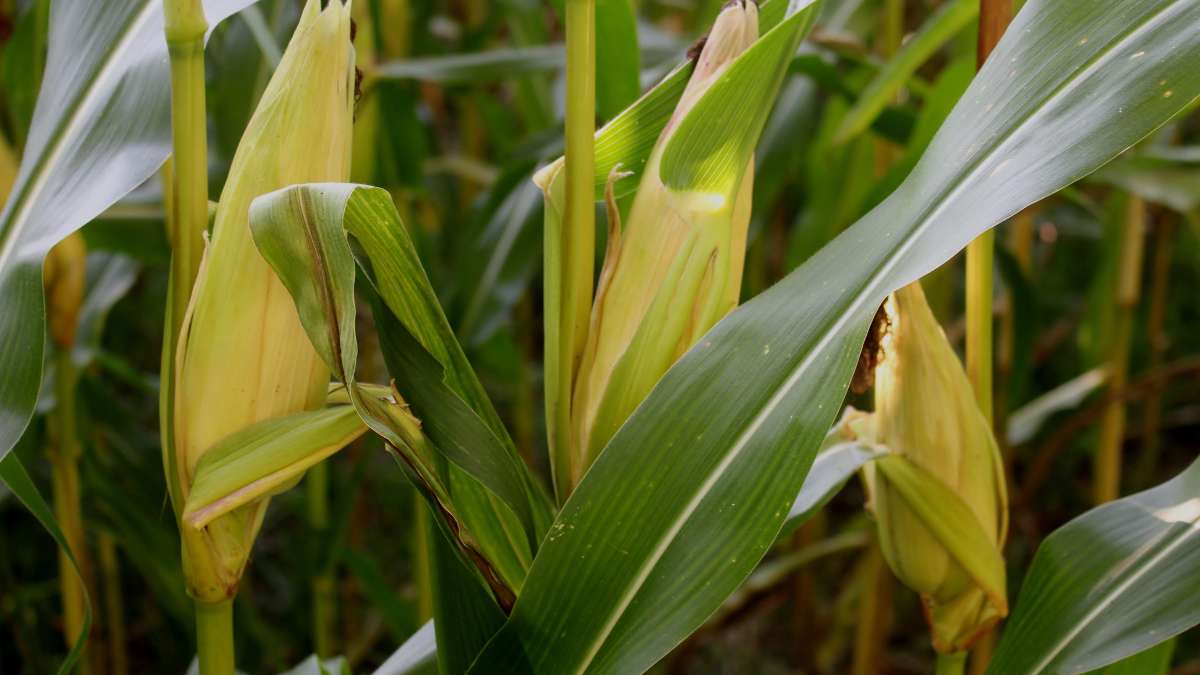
<point x="694" y="413"/>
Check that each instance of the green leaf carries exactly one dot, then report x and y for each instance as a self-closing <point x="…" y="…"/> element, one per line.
<point x="110" y="277"/>
<point x="951" y="521"/>
<point x="488" y="492"/>
<point x="1108" y="584"/>
<point x="265" y="459"/>
<point x="681" y="505"/>
<point x="1026" y="421"/>
<point x="937" y="30"/>
<point x="101" y="127"/>
<point x="417" y="656"/>
<point x="618" y="59"/>
<point x="1153" y="661"/>
<point x="22" y="66"/>
<point x="486" y="66"/>
<point x="1172" y="183"/>
<point x="830" y="472"/>
<point x="13" y="474"/>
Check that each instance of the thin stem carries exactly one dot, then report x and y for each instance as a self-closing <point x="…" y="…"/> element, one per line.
<point x="1156" y="335"/>
<point x="185" y="29"/>
<point x="874" y="613"/>
<point x="980" y="258"/>
<point x="951" y="664"/>
<point x="64" y="464"/>
<point x="323" y="597"/>
<point x="214" y="637"/>
<point x="994" y="16"/>
<point x="580" y="212"/>
<point x="114" y="603"/>
<point x="1106" y="484"/>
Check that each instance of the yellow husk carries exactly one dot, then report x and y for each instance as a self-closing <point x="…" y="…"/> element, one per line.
<point x="926" y="411"/>
<point x="244" y="356"/>
<point x="670" y="275"/>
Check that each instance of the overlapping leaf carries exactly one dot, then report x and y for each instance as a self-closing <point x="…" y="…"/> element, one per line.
<point x="455" y="447"/>
<point x="693" y="489"/>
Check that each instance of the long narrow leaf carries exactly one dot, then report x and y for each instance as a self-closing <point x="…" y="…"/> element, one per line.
<point x="1115" y="581"/>
<point x="302" y="231"/>
<point x="691" y="492"/>
<point x="101" y="127"/>
<point x="13" y="474"/>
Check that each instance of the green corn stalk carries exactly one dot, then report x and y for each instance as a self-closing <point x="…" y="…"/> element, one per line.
<point x="65" y="278"/>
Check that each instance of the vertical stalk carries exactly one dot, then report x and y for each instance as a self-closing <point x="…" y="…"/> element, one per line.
<point x="185" y="27"/>
<point x="68" y="510"/>
<point x="214" y="637"/>
<point x="422" y="558"/>
<point x="993" y="19"/>
<point x="951" y="664"/>
<point x="980" y="257"/>
<point x="875" y="605"/>
<point x="994" y="16"/>
<point x="114" y="605"/>
<point x="323" y="600"/>
<point x="580" y="213"/>
<point x="874" y="613"/>
<point x="1106" y="485"/>
<point x="1156" y="335"/>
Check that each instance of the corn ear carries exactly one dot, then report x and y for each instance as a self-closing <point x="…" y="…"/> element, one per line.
<point x="674" y="270"/>
<point x="243" y="356"/>
<point x="940" y="499"/>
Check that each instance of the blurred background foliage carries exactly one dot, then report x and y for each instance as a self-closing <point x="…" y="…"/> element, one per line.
<point x="460" y="101"/>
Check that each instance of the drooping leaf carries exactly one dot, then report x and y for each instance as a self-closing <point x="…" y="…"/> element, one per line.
<point x="13" y="474"/>
<point x="101" y="127"/>
<point x="266" y="458"/>
<point x="455" y="447"/>
<point x="664" y="525"/>
<point x="1109" y="584"/>
<point x="830" y="472"/>
<point x="1026" y="421"/>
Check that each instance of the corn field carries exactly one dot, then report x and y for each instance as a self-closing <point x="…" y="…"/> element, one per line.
<point x="600" y="336"/>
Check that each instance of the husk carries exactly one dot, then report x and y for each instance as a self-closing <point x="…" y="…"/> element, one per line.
<point x="925" y="410"/>
<point x="675" y="271"/>
<point x="243" y="355"/>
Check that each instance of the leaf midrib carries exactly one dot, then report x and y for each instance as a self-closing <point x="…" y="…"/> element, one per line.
<point x="839" y="323"/>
